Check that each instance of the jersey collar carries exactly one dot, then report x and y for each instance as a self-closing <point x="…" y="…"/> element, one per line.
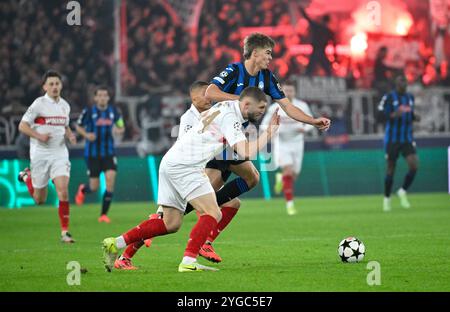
<point x="195" y="111"/>
<point x="51" y="99"/>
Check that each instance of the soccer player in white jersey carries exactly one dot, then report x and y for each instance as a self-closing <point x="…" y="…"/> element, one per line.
<point x="229" y="209"/>
<point x="46" y="122"/>
<point x="182" y="176"/>
<point x="289" y="152"/>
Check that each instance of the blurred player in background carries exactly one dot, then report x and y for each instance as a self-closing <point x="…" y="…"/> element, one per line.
<point x="289" y="153"/>
<point x="397" y="110"/>
<point x="46" y="122"/>
<point x="182" y="176"/>
<point x="97" y="125"/>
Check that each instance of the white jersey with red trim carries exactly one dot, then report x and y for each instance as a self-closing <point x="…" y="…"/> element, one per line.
<point x="46" y="115"/>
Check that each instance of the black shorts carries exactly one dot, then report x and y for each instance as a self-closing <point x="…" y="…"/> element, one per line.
<point x="97" y="165"/>
<point x="223" y="166"/>
<point x="393" y="150"/>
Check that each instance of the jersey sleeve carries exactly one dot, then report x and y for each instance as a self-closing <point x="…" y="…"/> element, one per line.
<point x="275" y="89"/>
<point x="83" y="118"/>
<point x="232" y="129"/>
<point x="186" y="124"/>
<point x="32" y="113"/>
<point x="385" y="107"/>
<point x="226" y="77"/>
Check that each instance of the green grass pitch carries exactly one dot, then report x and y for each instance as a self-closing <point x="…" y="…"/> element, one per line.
<point x="263" y="249"/>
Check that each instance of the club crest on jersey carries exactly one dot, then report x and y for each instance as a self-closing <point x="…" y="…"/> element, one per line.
<point x="261" y="85"/>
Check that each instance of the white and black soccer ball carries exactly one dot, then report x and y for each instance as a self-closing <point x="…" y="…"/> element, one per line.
<point x="351" y="249"/>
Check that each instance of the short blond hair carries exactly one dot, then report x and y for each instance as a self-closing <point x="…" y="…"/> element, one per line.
<point x="256" y="41"/>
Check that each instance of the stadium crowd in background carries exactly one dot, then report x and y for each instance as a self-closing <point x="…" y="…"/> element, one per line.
<point x="36" y="37"/>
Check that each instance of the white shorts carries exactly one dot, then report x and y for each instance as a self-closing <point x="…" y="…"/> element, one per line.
<point x="290" y="155"/>
<point x="180" y="184"/>
<point x="44" y="169"/>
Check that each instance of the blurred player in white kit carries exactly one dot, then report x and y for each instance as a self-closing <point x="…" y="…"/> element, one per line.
<point x="290" y="141"/>
<point x="46" y="122"/>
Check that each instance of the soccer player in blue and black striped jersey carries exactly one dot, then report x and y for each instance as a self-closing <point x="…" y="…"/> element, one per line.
<point x="228" y="85"/>
<point x="96" y="124"/>
<point x="397" y="110"/>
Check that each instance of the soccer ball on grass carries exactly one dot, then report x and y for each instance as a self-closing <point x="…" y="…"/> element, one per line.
<point x="351" y="249"/>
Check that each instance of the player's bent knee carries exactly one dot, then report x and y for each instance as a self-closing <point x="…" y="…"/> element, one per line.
<point x="235" y="203"/>
<point x="40" y="201"/>
<point x="64" y="196"/>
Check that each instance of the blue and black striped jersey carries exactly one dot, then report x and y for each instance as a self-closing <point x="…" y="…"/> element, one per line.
<point x="399" y="129"/>
<point x="101" y="123"/>
<point x="234" y="78"/>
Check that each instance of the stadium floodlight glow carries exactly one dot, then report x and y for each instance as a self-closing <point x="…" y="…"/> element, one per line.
<point x="358" y="44"/>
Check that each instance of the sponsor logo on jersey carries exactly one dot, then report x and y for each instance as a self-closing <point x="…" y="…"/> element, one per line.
<point x="103" y="122"/>
<point x="51" y="121"/>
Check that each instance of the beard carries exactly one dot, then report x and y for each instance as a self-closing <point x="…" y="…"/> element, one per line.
<point x="253" y="118"/>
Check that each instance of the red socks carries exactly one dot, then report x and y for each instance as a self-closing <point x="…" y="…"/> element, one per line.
<point x="29" y="184"/>
<point x="63" y="212"/>
<point x="228" y="213"/>
<point x="147" y="229"/>
<point x="288" y="187"/>
<point x="199" y="233"/>
<point x="132" y="249"/>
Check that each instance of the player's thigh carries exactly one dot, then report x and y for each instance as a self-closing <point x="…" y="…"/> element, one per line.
<point x="392" y="152"/>
<point x="247" y="171"/>
<point x="215" y="178"/>
<point x="94" y="167"/>
<point x="40" y="173"/>
<point x="62" y="187"/>
<point x="173" y="218"/>
<point x="207" y="204"/>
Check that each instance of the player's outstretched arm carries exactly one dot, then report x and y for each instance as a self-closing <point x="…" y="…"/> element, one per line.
<point x="297" y="114"/>
<point x="25" y="128"/>
<point x="214" y="94"/>
<point x="247" y="149"/>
